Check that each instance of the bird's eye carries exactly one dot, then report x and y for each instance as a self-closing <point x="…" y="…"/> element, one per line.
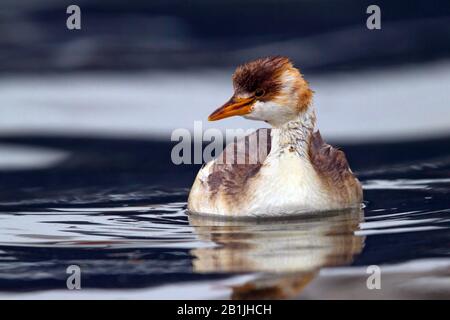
<point x="259" y="93"/>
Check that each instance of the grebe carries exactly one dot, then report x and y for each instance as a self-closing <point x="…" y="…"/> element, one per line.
<point x="295" y="172"/>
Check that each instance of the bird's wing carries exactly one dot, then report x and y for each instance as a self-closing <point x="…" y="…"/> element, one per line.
<point x="239" y="161"/>
<point x="332" y="166"/>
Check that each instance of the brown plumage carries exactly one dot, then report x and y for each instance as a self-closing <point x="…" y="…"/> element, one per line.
<point x="265" y="74"/>
<point x="330" y="164"/>
<point x="261" y="74"/>
<point x="332" y="167"/>
<point x="231" y="177"/>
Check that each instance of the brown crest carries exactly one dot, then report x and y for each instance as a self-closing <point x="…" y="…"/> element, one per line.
<point x="260" y="74"/>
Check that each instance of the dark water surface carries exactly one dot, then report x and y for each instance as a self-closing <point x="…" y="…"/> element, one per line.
<point x="320" y="36"/>
<point x="116" y="208"/>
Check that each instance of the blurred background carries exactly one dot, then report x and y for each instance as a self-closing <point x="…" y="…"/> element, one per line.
<point x="143" y="68"/>
<point x="86" y="117"/>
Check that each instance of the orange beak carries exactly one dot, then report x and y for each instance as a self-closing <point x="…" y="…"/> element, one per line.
<point x="234" y="107"/>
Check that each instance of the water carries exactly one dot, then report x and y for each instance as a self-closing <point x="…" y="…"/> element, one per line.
<point x="177" y="35"/>
<point x="116" y="208"/>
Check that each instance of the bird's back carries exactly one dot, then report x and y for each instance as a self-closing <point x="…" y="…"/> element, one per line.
<point x="332" y="167"/>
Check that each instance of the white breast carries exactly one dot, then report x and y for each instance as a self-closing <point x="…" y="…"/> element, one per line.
<point x="285" y="185"/>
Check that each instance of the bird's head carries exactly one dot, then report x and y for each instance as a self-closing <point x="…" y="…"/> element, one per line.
<point x="268" y="89"/>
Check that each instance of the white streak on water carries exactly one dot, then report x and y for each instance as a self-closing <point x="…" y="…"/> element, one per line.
<point x="21" y="157"/>
<point x="396" y="230"/>
<point x="402" y="184"/>
<point x="409" y="102"/>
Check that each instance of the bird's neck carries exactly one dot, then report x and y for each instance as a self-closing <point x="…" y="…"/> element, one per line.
<point x="294" y="136"/>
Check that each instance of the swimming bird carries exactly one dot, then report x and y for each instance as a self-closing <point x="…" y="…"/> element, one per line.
<point x="292" y="171"/>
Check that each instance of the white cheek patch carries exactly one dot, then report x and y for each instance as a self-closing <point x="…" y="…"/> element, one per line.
<point x="270" y="112"/>
<point x="265" y="110"/>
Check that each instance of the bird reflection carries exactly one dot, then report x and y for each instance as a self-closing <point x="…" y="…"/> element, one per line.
<point x="287" y="254"/>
